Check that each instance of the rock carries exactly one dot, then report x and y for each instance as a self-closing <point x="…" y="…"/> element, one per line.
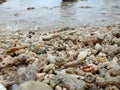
<point x="30" y="8"/>
<point x="82" y="55"/>
<point x="116" y="33"/>
<point x="25" y="74"/>
<point x="93" y="40"/>
<point x="102" y="72"/>
<point x="34" y="85"/>
<point x="112" y="52"/>
<point x="116" y="41"/>
<point x="102" y="82"/>
<point x="51" y="58"/>
<point x="16" y="14"/>
<point x="2" y="87"/>
<point x="14" y="49"/>
<point x="70" y="82"/>
<point x="111" y="87"/>
<point x="93" y="87"/>
<point x="37" y="28"/>
<point x="80" y="58"/>
<point x="69" y="0"/>
<point x="40" y="76"/>
<point x="101" y="57"/>
<point x="14" y="87"/>
<point x="52" y="83"/>
<point x="63" y="59"/>
<point x="41" y="51"/>
<point x="58" y="88"/>
<point x="7" y="83"/>
<point x="85" y="7"/>
<point x="98" y="47"/>
<point x="60" y="48"/>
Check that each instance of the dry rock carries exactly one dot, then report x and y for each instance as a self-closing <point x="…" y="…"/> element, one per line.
<point x="34" y="85"/>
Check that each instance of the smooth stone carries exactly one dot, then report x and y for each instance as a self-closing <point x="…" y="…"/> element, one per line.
<point x="34" y="85"/>
<point x="98" y="47"/>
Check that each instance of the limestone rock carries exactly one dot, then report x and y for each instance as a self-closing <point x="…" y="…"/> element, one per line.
<point x="34" y="85"/>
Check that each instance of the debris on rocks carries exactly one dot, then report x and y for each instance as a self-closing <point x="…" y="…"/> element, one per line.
<point x="85" y="7"/>
<point x="64" y="59"/>
<point x="30" y="8"/>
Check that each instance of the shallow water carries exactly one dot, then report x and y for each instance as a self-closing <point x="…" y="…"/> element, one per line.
<point x="50" y="14"/>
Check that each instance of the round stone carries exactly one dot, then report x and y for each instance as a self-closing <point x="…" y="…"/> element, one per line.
<point x="34" y="85"/>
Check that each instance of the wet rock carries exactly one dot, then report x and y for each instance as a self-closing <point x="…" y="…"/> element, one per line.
<point x="30" y="8"/>
<point x="85" y="7"/>
<point x="69" y="0"/>
<point x="34" y="85"/>
<point x="16" y="14"/>
<point x="41" y="76"/>
<point x="37" y="28"/>
<point x="31" y="32"/>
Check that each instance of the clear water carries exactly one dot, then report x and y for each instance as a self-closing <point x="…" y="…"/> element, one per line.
<point x="50" y="14"/>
